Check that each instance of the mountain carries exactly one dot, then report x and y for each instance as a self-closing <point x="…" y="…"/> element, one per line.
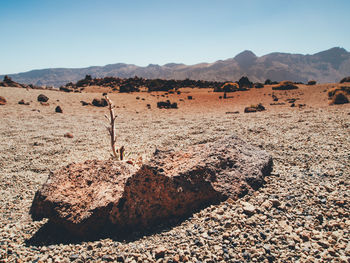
<point x="326" y="66"/>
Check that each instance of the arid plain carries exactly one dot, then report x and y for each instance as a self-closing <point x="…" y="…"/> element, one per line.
<point x="301" y="214"/>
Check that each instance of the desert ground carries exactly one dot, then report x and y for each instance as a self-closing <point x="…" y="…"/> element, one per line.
<point x="301" y="214"/>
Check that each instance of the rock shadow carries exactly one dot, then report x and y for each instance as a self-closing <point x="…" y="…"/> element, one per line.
<point x="53" y="234"/>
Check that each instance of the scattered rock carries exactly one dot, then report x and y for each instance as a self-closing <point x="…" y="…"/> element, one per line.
<point x="2" y="101"/>
<point x="254" y="108"/>
<point x="22" y="102"/>
<point x="68" y="135"/>
<point x="66" y="89"/>
<point x="311" y="82"/>
<point x="285" y="85"/>
<point x="85" y="197"/>
<point x="58" y="109"/>
<point x="277" y="103"/>
<point x="100" y="102"/>
<point x="44" y="103"/>
<point x="166" y="105"/>
<point x="159" y="252"/>
<point x="84" y="103"/>
<point x="189" y="97"/>
<point x="42" y="98"/>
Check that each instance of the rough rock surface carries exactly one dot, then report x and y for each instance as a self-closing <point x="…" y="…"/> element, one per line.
<point x="85" y="197"/>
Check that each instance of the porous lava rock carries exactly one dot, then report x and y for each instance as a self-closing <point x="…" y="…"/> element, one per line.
<point x="87" y="196"/>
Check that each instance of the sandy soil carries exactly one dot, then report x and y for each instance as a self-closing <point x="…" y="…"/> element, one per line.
<point x="302" y="212"/>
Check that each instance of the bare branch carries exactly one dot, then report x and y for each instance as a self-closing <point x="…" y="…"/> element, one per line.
<point x="111" y="129"/>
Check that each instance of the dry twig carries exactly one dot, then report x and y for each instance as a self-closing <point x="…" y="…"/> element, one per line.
<point x="117" y="153"/>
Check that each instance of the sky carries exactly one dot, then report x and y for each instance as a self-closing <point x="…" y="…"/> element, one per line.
<point x="41" y="34"/>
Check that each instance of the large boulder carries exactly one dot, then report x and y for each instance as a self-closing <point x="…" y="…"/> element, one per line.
<point x="87" y="196"/>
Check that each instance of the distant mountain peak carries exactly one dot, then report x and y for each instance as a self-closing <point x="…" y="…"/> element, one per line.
<point x="246" y="58"/>
<point x="246" y="54"/>
<point x="335" y="56"/>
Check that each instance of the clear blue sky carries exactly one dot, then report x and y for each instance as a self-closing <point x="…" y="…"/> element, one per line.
<point x="78" y="33"/>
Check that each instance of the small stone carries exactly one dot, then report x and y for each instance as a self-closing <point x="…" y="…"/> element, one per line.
<point x="58" y="109"/>
<point x="120" y="258"/>
<point x="266" y="204"/>
<point x="176" y="258"/>
<point x="248" y="208"/>
<point x="304" y="236"/>
<point x="159" y="252"/>
<point x="68" y="135"/>
<point x="2" y="100"/>
<point x="22" y="102"/>
<point x="275" y="203"/>
<point x="73" y="257"/>
<point x="323" y="243"/>
<point x="107" y="258"/>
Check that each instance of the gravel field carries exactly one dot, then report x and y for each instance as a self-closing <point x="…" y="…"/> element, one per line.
<point x="301" y="214"/>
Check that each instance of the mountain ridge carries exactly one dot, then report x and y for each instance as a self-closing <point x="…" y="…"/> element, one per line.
<point x="325" y="66"/>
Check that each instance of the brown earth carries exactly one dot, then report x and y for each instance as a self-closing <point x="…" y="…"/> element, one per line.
<point x="301" y="214"/>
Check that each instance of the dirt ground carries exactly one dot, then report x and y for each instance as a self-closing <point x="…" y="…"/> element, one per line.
<point x="310" y="146"/>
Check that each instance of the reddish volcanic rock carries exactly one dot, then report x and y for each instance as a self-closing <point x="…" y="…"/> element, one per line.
<point x="85" y="197"/>
<point x="2" y="101"/>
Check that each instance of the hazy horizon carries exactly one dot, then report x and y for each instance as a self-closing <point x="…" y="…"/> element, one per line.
<point x="64" y="34"/>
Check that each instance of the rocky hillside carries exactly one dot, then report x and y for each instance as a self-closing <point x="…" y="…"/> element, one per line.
<point x="326" y="66"/>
